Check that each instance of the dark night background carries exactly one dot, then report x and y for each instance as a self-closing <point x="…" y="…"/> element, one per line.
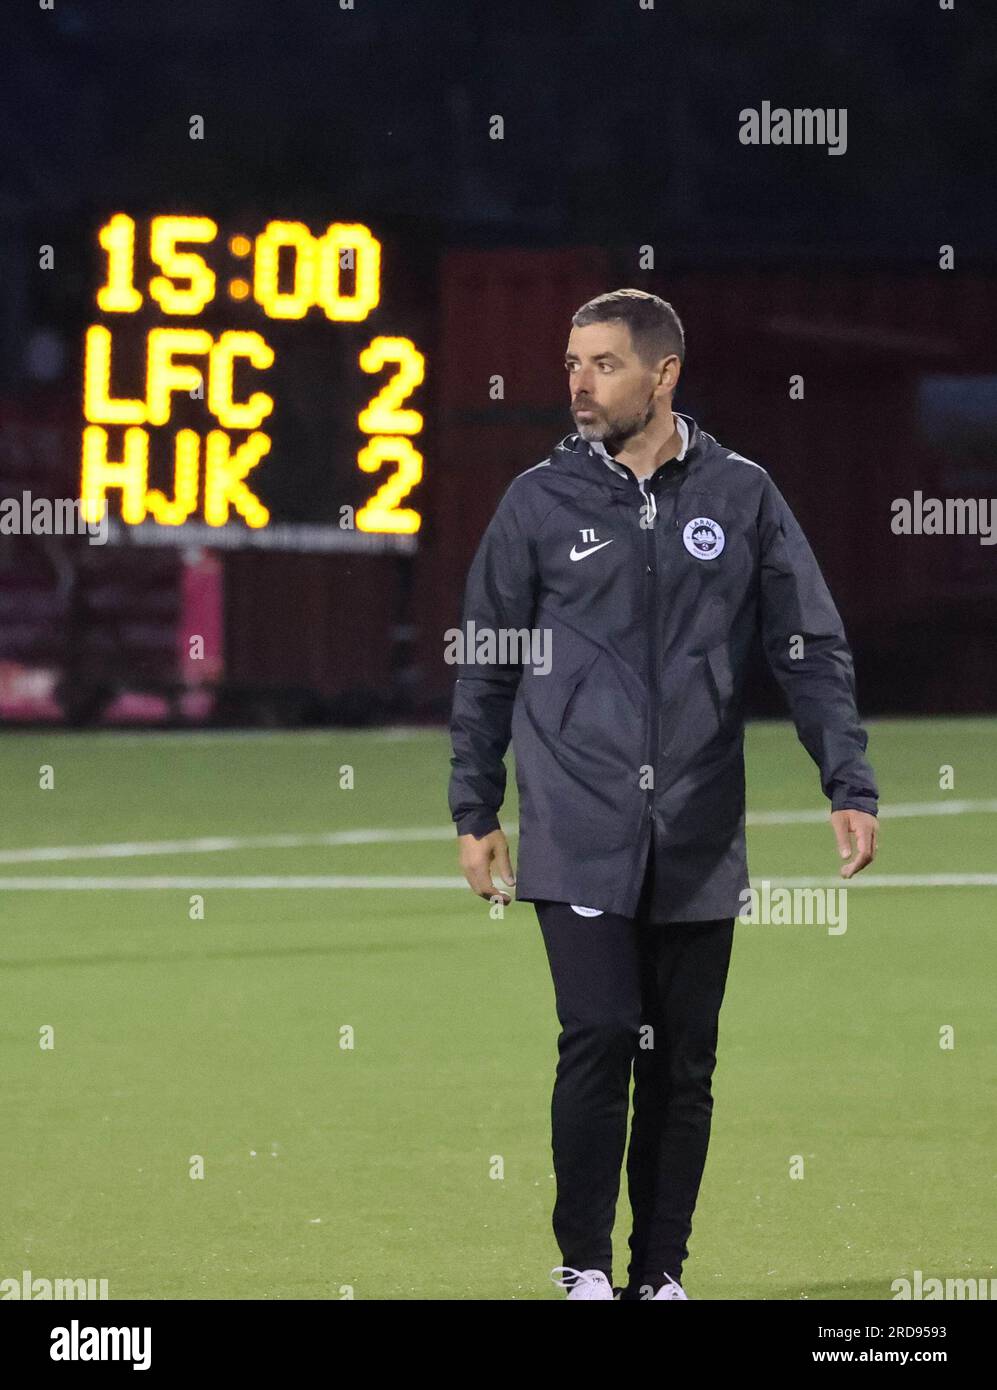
<point x="621" y="129"/>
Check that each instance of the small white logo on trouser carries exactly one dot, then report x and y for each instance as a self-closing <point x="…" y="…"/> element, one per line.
<point x="587" y="911"/>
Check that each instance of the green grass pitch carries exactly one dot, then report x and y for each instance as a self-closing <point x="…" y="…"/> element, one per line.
<point x="416" y="1164"/>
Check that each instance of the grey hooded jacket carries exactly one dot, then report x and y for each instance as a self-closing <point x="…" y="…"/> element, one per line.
<point x="635" y="604"/>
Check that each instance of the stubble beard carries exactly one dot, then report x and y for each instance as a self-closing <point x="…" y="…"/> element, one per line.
<point x="615" y="434"/>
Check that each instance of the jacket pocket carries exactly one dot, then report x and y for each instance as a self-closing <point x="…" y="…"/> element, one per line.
<point x="572" y="690"/>
<point x="721" y="680"/>
<point x="548" y="696"/>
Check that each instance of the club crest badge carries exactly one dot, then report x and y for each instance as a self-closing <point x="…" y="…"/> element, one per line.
<point x="703" y="538"/>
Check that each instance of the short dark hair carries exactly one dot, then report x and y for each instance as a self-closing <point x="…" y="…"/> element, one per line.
<point x="655" y="327"/>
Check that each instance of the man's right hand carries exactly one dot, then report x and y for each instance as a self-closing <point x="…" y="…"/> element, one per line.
<point x="476" y="857"/>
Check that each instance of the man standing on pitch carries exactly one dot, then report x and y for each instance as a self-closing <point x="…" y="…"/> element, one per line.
<point x="640" y="557"/>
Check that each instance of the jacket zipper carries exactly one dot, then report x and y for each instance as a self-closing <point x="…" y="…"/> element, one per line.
<point x="650" y="510"/>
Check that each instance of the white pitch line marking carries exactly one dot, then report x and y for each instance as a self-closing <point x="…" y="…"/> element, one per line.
<point x="256" y="881"/>
<point x="901" y="811"/>
<point x="864" y="880"/>
<point x="69" y="883"/>
<point x="213" y="844"/>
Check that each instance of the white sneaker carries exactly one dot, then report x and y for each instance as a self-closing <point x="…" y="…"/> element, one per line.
<point x="671" y="1289"/>
<point x="587" y="1283"/>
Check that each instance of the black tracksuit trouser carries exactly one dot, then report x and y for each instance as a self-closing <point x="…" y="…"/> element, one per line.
<point x="632" y="994"/>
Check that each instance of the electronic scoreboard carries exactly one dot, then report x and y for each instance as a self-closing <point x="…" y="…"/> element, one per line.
<point x="253" y="388"/>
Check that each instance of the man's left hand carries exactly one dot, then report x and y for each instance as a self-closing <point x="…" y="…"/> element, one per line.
<point x="863" y="829"/>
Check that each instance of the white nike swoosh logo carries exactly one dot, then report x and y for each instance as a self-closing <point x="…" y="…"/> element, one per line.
<point x="577" y="554"/>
